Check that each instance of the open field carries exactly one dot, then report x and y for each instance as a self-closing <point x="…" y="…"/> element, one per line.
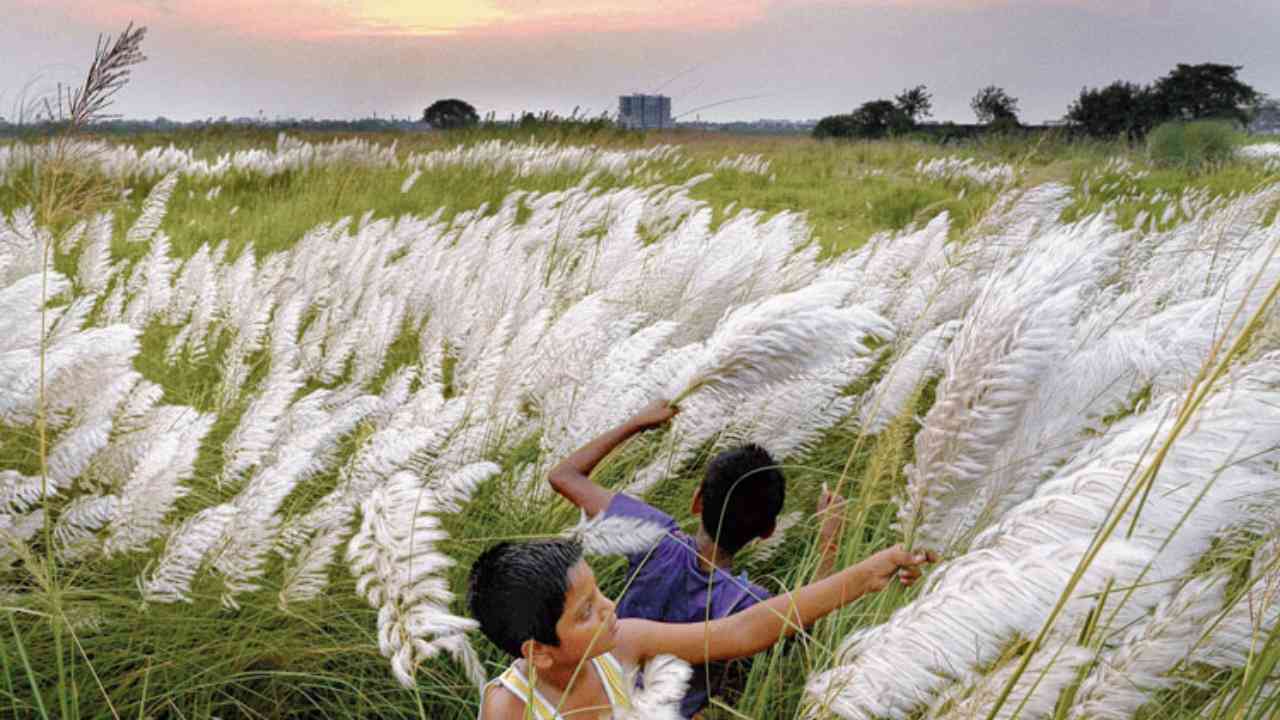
<point x="262" y="401"/>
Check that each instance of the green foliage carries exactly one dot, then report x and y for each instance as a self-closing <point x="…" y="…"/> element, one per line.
<point x="916" y="103"/>
<point x="879" y="118"/>
<point x="450" y="114"/>
<point x="1193" y="145"/>
<point x="992" y="104"/>
<point x="1208" y="90"/>
<point x="872" y="120"/>
<point x="1188" y="92"/>
<point x="1119" y="110"/>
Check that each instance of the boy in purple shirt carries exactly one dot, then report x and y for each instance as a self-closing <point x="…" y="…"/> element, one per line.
<point x="686" y="578"/>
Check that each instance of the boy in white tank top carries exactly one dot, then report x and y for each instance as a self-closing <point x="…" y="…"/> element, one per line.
<point x="539" y="601"/>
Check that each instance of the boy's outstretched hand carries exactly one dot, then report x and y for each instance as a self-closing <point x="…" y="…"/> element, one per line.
<point x="654" y="414"/>
<point x="882" y="566"/>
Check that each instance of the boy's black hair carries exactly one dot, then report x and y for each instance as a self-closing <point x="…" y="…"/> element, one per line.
<point x="516" y="590"/>
<point x="741" y="496"/>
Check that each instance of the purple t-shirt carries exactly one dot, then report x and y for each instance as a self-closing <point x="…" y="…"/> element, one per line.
<point x="668" y="585"/>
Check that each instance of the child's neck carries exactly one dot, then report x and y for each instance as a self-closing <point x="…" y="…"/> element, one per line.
<point x="711" y="555"/>
<point x="558" y="677"/>
<point x="564" y="685"/>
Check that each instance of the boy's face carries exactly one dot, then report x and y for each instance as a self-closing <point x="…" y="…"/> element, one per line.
<point x="588" y="626"/>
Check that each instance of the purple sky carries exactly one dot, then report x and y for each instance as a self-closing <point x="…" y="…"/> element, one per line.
<point x="792" y="58"/>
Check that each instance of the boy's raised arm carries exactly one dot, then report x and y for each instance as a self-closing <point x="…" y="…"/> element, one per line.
<point x="763" y="624"/>
<point x="572" y="476"/>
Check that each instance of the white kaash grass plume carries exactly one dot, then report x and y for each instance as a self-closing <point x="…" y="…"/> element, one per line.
<point x="193" y="286"/>
<point x="666" y="679"/>
<point x="744" y="163"/>
<point x="20" y="307"/>
<point x="405" y="440"/>
<point x="241" y="556"/>
<point x="954" y="168"/>
<point x="184" y="555"/>
<point x="779" y="338"/>
<point x="76" y="530"/>
<point x="620" y="384"/>
<point x="407" y="185"/>
<point x="62" y="363"/>
<point x="1016" y="332"/>
<point x="85" y="426"/>
<point x="19" y="493"/>
<point x="1219" y="463"/>
<point x="258" y="426"/>
<point x="399" y="571"/>
<point x="131" y="436"/>
<point x="608" y="535"/>
<point x="920" y="363"/>
<point x="988" y="381"/>
<point x="154" y="209"/>
<point x="1035" y="694"/>
<point x="24" y="247"/>
<point x="94" y="268"/>
<point x="1237" y="634"/>
<point x="451" y="492"/>
<point x="70" y="239"/>
<point x="15" y="531"/>
<point x="156" y="484"/>
<point x="790" y="418"/>
<point x="150" y="284"/>
<point x="1126" y="677"/>
<point x="306" y="576"/>
<point x="251" y="300"/>
<point x="981" y="602"/>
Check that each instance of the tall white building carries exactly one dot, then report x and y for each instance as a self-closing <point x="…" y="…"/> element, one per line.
<point x="644" y="112"/>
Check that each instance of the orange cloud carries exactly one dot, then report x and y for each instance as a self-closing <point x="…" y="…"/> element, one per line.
<point x="331" y="18"/>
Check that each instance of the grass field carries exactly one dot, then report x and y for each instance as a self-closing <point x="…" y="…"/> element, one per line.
<point x="223" y="381"/>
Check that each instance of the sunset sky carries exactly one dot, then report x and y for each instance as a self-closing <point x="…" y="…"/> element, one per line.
<point x="770" y="58"/>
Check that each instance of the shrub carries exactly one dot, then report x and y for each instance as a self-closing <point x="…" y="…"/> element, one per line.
<point x="1192" y="144"/>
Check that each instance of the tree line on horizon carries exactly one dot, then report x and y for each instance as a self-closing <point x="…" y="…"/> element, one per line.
<point x="1120" y="110"/>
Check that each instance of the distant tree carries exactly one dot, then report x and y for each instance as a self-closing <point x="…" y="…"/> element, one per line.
<point x="879" y="118"/>
<point x="992" y="104"/>
<point x="450" y="114"/>
<point x="916" y="103"/>
<point x="1208" y="90"/>
<point x="1121" y="108"/>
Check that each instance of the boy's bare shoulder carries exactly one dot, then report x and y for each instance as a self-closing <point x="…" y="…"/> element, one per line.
<point x="501" y="704"/>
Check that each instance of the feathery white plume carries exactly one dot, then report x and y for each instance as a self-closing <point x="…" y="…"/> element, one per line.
<point x="398" y="571"/>
<point x="154" y="209"/>
<point x="666" y="679"/>
<point x="612" y="535"/>
<point x="779" y="338"/>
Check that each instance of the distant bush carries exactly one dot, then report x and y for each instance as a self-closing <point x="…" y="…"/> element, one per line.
<point x="1193" y="144"/>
